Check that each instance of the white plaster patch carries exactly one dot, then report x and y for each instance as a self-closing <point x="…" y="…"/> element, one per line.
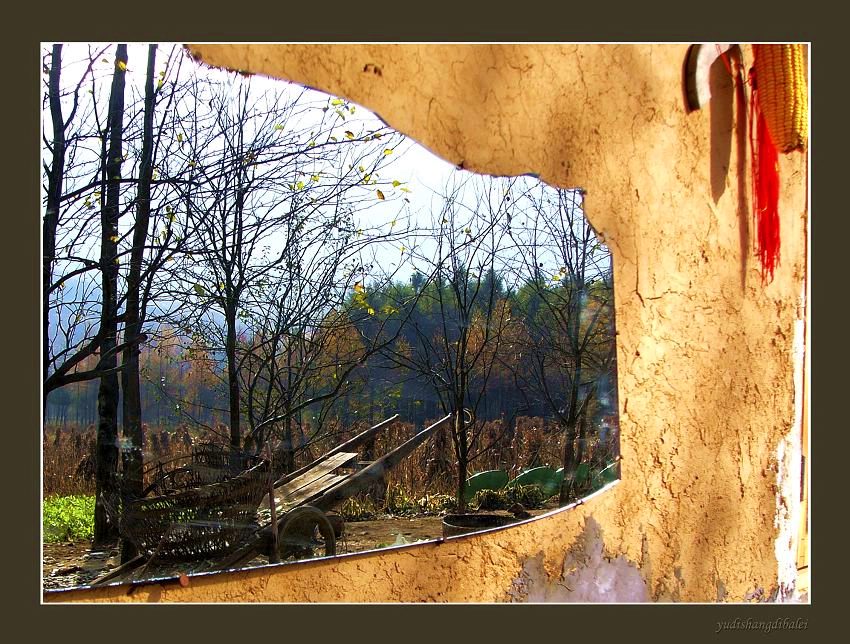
<point x="788" y="477"/>
<point x="588" y="576"/>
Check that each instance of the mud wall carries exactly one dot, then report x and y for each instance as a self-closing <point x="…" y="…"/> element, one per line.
<point x="709" y="409"/>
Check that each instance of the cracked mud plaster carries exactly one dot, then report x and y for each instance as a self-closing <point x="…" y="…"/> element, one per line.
<point x="705" y="349"/>
<point x="587" y="576"/>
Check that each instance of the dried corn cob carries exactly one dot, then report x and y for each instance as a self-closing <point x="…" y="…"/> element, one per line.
<point x="782" y="94"/>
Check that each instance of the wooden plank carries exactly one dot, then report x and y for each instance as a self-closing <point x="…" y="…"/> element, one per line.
<point x="344" y="447"/>
<point x="325" y="467"/>
<point x="365" y="477"/>
<point x="312" y="490"/>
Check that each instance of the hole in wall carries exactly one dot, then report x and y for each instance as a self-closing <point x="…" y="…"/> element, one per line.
<point x="401" y="349"/>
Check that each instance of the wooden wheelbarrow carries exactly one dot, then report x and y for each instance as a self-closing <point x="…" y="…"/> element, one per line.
<point x="210" y="522"/>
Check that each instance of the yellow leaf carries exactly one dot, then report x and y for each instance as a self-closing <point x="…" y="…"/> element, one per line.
<point x="300" y="185"/>
<point x="375" y="135"/>
<point x="396" y="184"/>
<point x="171" y="218"/>
<point x="388" y="151"/>
<point x="359" y="232"/>
<point x="403" y="189"/>
<point x="392" y="223"/>
<point x="114" y="238"/>
<point x="336" y="101"/>
<point x="361" y="168"/>
<point x="121" y="65"/>
<point x="366" y="178"/>
<point x="358" y="287"/>
<point x="180" y="137"/>
<point x="278" y="127"/>
<point x="333" y="138"/>
<point x="402" y="249"/>
<point x="159" y="84"/>
<point x="371" y="311"/>
<point x="312" y="144"/>
<point x="380" y="196"/>
<point x="162" y="74"/>
<point x="349" y="134"/>
<point x="315" y="177"/>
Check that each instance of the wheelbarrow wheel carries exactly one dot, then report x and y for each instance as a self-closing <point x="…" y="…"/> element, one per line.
<point x="304" y="531"/>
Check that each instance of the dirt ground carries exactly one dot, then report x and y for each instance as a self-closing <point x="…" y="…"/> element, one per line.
<point x="66" y="565"/>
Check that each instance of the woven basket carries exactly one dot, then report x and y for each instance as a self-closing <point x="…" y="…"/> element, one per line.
<point x="198" y="523"/>
<point x="208" y="463"/>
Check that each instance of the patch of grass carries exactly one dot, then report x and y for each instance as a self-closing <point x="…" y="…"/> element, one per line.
<point x="491" y="500"/>
<point x="398" y="502"/>
<point x="354" y="509"/>
<point x="68" y="518"/>
<point x="528" y="496"/>
<point x="437" y="504"/>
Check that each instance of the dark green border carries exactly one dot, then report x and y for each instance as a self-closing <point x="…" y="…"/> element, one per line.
<point x="611" y="21"/>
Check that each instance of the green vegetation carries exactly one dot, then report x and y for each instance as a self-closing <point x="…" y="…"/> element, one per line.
<point x="546" y="478"/>
<point x="68" y="518"/>
<point x="489" y="480"/>
<point x="530" y="497"/>
<point x="398" y="502"/>
<point x="357" y="509"/>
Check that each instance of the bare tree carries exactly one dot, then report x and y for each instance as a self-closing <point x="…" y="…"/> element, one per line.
<point x="134" y="313"/>
<point x="107" y="398"/>
<point x="87" y="283"/>
<point x="567" y="350"/>
<point x="70" y="333"/>
<point x="268" y="181"/>
<point x="306" y="342"/>
<point x="456" y="345"/>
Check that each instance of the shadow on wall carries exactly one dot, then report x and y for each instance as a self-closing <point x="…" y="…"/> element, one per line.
<point x="728" y="116"/>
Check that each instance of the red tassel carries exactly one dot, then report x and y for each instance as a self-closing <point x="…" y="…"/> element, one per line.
<point x="765" y="170"/>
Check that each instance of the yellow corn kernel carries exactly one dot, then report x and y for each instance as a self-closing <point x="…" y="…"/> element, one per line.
<point x="781" y="85"/>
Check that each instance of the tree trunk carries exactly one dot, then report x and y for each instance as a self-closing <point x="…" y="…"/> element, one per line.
<point x="232" y="375"/>
<point x="51" y="214"/>
<point x="105" y="528"/>
<point x="570" y="462"/>
<point x="462" y="459"/>
<point x="133" y="455"/>
<point x="288" y="447"/>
